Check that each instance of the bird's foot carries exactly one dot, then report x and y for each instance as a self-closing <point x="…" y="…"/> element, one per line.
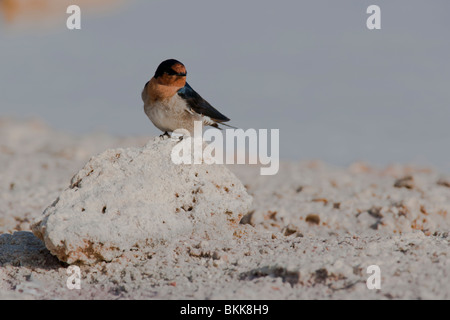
<point x="164" y="135"/>
<point x="177" y="138"/>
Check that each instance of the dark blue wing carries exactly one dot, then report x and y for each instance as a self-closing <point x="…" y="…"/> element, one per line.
<point x="200" y="105"/>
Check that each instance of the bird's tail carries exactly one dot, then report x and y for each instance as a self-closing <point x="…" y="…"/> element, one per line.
<point x="224" y="124"/>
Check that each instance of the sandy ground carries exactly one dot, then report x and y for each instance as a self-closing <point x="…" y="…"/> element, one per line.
<point x="313" y="231"/>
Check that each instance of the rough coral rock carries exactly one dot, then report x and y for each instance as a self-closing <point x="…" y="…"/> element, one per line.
<point x="131" y="197"/>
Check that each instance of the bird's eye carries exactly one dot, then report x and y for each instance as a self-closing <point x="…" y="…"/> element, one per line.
<point x="174" y="73"/>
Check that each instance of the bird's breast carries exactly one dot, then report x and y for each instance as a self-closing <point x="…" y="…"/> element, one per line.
<point x="168" y="114"/>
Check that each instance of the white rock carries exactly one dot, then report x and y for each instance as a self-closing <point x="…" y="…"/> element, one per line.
<point x="128" y="198"/>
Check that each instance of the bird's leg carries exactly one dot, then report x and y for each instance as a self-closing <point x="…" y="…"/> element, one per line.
<point x="165" y="134"/>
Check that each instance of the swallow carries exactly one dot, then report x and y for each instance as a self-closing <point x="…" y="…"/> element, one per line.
<point x="170" y="102"/>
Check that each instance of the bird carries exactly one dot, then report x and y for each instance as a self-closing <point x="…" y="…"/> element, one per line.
<point x="170" y="102"/>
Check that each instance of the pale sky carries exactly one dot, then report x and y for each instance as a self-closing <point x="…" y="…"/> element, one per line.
<point x="336" y="90"/>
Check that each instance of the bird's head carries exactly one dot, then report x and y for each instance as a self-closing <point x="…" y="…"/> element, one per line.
<point x="171" y="73"/>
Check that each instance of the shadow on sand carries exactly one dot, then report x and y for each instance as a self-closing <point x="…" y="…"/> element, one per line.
<point x="23" y="249"/>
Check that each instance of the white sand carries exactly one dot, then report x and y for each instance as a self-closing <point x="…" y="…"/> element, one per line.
<point x="312" y="232"/>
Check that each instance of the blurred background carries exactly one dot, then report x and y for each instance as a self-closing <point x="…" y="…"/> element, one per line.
<point x="337" y="91"/>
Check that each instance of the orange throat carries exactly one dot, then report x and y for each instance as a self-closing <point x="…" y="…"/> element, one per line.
<point x="161" y="89"/>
